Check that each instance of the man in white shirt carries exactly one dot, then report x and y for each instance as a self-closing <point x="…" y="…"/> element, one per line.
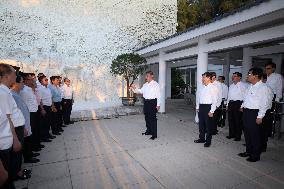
<point x="46" y="106"/>
<point x="257" y="101"/>
<point x="206" y="104"/>
<point x="7" y="106"/>
<point x="222" y="120"/>
<point x="274" y="80"/>
<point x="236" y="95"/>
<point x="217" y="113"/>
<point x="151" y="94"/>
<point x="67" y="101"/>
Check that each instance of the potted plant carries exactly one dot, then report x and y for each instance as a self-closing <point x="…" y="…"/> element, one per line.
<point x="129" y="66"/>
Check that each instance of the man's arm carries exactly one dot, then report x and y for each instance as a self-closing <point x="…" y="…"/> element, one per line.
<point x="16" y="143"/>
<point x="279" y="88"/>
<point x="3" y="174"/>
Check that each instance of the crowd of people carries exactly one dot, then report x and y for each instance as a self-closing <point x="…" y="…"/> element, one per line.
<point x="248" y="104"/>
<point x="33" y="110"/>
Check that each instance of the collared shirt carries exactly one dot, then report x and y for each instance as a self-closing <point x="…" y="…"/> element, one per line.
<point x="150" y="90"/>
<point x="219" y="93"/>
<point x="67" y="92"/>
<point x="6" y="137"/>
<point x="24" y="109"/>
<point x="29" y="98"/>
<point x="56" y="93"/>
<point x="274" y="81"/>
<point x="9" y="106"/>
<point x="224" y="91"/>
<point x="237" y="91"/>
<point x="37" y="96"/>
<point x="259" y="96"/>
<point x="45" y="95"/>
<point x="208" y="95"/>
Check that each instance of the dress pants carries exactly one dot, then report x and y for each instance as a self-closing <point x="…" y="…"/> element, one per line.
<point x="266" y="129"/>
<point x="150" y="112"/>
<point x="45" y="122"/>
<point x="252" y="132"/>
<point x="6" y="157"/>
<point x="27" y="148"/>
<point x="35" y="126"/>
<point x="205" y="123"/>
<point x="17" y="157"/>
<point x="55" y="118"/>
<point x="235" y="119"/>
<point x="66" y="110"/>
<point x="223" y="115"/>
<point x="216" y="118"/>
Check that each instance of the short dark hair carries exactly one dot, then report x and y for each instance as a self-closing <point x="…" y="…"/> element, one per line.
<point x="238" y="74"/>
<point x="223" y="77"/>
<point x="272" y="64"/>
<point x="257" y="71"/>
<point x="207" y="74"/>
<point x="213" y="74"/>
<point x="19" y="78"/>
<point x="25" y="76"/>
<point x="264" y="76"/>
<point x="41" y="78"/>
<point x="66" y="78"/>
<point x="40" y="74"/>
<point x="150" y="72"/>
<point x="6" y="69"/>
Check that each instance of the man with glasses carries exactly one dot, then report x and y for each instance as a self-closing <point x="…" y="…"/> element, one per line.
<point x="257" y="101"/>
<point x="274" y="80"/>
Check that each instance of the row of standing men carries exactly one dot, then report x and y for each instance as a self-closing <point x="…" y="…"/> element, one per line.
<point x="249" y="106"/>
<point x="32" y="111"/>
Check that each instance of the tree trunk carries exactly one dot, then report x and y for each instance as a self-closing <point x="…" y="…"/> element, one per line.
<point x="127" y="87"/>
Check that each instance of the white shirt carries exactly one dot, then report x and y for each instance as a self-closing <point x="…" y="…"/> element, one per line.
<point x="29" y="98"/>
<point x="67" y="92"/>
<point x="224" y="90"/>
<point x="219" y="93"/>
<point x="150" y="90"/>
<point x="237" y="91"/>
<point x="208" y="95"/>
<point x="45" y="95"/>
<point x="259" y="96"/>
<point x="274" y="81"/>
<point x="9" y="106"/>
<point x="6" y="137"/>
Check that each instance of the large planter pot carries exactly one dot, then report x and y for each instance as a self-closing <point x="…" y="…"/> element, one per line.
<point x="128" y="101"/>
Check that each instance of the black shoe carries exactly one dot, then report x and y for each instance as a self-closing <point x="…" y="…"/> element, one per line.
<point x="71" y="122"/>
<point x="199" y="141"/>
<point x="41" y="146"/>
<point x="45" y="140"/>
<point x="250" y="159"/>
<point x="63" y="125"/>
<point x="153" y="137"/>
<point x="263" y="150"/>
<point x="146" y="133"/>
<point x="27" y="171"/>
<point x="56" y="133"/>
<point x="207" y="144"/>
<point x="215" y="133"/>
<point x="244" y="154"/>
<point x="35" y="154"/>
<point x="237" y="139"/>
<point x="229" y="137"/>
<point x="60" y="130"/>
<point x="36" y="149"/>
<point x="51" y="137"/>
<point x="32" y="160"/>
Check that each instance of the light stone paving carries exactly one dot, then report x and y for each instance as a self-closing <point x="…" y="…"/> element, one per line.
<point x="112" y="153"/>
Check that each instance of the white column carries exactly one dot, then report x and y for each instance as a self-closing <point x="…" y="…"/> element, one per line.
<point x="169" y="82"/>
<point x="162" y="81"/>
<point x="202" y="61"/>
<point x="247" y="62"/>
<point x="123" y="87"/>
<point x="226" y="68"/>
<point x="277" y="59"/>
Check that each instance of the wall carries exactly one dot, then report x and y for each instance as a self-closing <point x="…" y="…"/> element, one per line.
<point x="79" y="38"/>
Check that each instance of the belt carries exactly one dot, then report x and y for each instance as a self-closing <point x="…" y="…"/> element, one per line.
<point x="235" y="101"/>
<point x="150" y="99"/>
<point x="247" y="109"/>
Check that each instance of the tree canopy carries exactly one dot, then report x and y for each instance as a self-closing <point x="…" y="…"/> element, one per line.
<point x="194" y="12"/>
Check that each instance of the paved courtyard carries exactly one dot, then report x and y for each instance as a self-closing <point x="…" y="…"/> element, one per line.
<point x="112" y="153"/>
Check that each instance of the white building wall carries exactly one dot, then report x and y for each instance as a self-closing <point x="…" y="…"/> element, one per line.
<point x="79" y="39"/>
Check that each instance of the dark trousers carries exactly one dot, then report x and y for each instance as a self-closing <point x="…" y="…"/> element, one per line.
<point x="216" y="118"/>
<point x="252" y="132"/>
<point x="45" y="122"/>
<point x="235" y="119"/>
<point x="265" y="129"/>
<point x="66" y="110"/>
<point x="223" y="115"/>
<point x="150" y="112"/>
<point x="205" y="123"/>
<point x="17" y="157"/>
<point x="55" y="118"/>
<point x="5" y="157"/>
<point x="27" y="148"/>
<point x="35" y="126"/>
